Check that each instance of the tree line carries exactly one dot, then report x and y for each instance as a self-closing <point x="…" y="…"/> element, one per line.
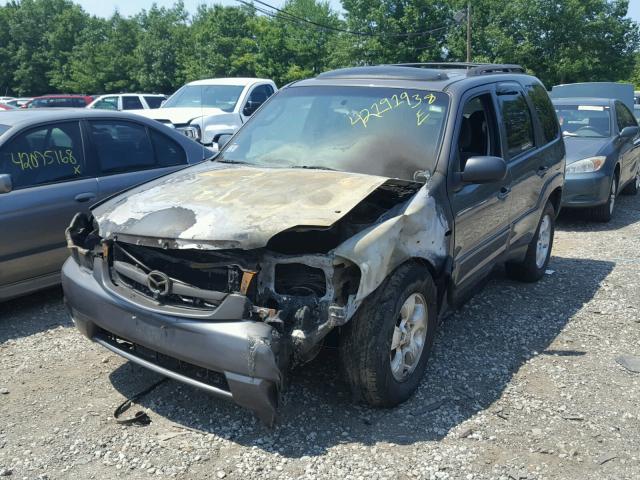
<point x="49" y="46"/>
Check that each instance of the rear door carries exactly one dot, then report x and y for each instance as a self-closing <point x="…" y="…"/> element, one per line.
<point x="129" y="153"/>
<point x="52" y="180"/>
<point x="481" y="211"/>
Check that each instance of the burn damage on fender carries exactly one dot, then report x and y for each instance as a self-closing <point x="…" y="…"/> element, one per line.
<point x="301" y="265"/>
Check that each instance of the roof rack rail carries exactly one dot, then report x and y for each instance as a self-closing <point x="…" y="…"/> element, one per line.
<point x="472" y="69"/>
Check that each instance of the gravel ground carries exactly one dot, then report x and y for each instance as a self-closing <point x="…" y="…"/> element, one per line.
<point x="523" y="384"/>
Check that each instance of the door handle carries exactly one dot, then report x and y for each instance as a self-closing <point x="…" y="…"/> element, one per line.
<point x="84" y="197"/>
<point x="542" y="171"/>
<point x="504" y="193"/>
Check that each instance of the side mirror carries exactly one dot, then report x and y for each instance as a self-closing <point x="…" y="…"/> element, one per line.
<point x="250" y="107"/>
<point x="223" y="140"/>
<point x="6" y="185"/>
<point x="629" y="132"/>
<point x="484" y="170"/>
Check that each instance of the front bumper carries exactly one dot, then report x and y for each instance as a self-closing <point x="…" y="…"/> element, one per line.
<point x="586" y="189"/>
<point x="244" y="352"/>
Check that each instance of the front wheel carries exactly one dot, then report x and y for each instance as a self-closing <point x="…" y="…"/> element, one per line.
<point x="535" y="262"/>
<point x="604" y="213"/>
<point x="385" y="347"/>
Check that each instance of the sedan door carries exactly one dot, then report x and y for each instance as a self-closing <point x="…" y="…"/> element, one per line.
<point x="52" y="181"/>
<point x="129" y="153"/>
<point x="629" y="153"/>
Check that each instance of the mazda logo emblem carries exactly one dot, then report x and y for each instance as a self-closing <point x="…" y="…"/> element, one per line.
<point x="159" y="283"/>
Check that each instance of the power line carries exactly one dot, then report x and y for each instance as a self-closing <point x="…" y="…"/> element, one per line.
<point x="289" y="16"/>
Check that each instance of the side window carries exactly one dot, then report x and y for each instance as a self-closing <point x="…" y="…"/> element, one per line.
<point x="42" y="155"/>
<point x="107" y="103"/>
<point x="517" y="120"/>
<point x="168" y="152"/>
<point x="478" y="130"/>
<point x="257" y="97"/>
<point x="154" y="102"/>
<point x="545" y="111"/>
<point x="624" y="116"/>
<point x="121" y="146"/>
<point x="131" y="102"/>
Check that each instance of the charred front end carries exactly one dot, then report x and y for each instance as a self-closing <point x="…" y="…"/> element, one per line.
<point x="224" y="316"/>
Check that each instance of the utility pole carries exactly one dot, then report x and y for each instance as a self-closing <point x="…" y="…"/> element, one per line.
<point x="469" y="31"/>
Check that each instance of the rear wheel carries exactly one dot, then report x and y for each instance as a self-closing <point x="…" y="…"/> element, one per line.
<point x="535" y="262"/>
<point x="385" y="347"/>
<point x="604" y="213"/>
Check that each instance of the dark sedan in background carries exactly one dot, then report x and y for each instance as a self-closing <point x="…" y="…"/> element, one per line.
<point x="602" y="139"/>
<point x="55" y="163"/>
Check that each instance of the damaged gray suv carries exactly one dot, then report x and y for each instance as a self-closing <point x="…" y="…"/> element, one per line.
<point x="361" y="205"/>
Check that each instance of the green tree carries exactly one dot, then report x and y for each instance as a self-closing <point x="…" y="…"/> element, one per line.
<point x="41" y="36"/>
<point x="162" y="43"/>
<point x="221" y="43"/>
<point x="103" y="59"/>
<point x="559" y="41"/>
<point x="394" y="31"/>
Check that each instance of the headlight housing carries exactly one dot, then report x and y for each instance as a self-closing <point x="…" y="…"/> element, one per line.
<point x="192" y="131"/>
<point x="587" y="165"/>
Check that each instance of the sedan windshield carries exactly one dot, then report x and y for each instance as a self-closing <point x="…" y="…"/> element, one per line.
<point x="584" y="120"/>
<point x="379" y="131"/>
<point x="223" y="97"/>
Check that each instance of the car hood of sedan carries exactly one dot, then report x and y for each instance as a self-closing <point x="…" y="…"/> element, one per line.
<point x="222" y="206"/>
<point x="178" y="115"/>
<point x="579" y="148"/>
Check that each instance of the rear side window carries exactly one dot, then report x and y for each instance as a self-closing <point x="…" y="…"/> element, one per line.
<point x="42" y="155"/>
<point x="168" y="152"/>
<point x="107" y="103"/>
<point x="121" y="146"/>
<point x="517" y="120"/>
<point x="625" y="117"/>
<point x="154" y="102"/>
<point x="130" y="102"/>
<point x="545" y="111"/>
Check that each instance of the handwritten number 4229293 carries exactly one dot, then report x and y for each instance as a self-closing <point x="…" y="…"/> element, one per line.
<point x="384" y="105"/>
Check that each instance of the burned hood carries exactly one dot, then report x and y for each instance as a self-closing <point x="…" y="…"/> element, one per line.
<point x="230" y="206"/>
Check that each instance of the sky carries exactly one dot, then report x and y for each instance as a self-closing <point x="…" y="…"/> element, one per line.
<point x="105" y="8"/>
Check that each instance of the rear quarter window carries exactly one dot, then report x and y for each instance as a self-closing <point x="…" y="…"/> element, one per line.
<point x="545" y="112"/>
<point x="121" y="146"/>
<point x="168" y="152"/>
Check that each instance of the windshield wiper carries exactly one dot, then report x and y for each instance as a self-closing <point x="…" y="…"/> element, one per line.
<point x="314" y="167"/>
<point x="237" y="162"/>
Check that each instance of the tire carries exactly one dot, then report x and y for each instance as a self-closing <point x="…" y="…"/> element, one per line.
<point x="366" y="341"/>
<point x="633" y="187"/>
<point x="535" y="262"/>
<point x="604" y="213"/>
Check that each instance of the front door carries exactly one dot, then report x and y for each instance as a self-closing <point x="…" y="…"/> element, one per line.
<point x="481" y="211"/>
<point x="51" y="182"/>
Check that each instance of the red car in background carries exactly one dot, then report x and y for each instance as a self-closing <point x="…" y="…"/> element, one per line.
<point x="73" y="101"/>
<point x="6" y="107"/>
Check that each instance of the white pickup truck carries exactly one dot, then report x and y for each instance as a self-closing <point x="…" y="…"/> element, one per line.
<point x="206" y="109"/>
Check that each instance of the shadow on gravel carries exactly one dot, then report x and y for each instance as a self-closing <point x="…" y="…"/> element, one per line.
<point x="477" y="352"/>
<point x="627" y="212"/>
<point x="25" y="316"/>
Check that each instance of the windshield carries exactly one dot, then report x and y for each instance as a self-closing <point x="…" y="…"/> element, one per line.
<point x="379" y="131"/>
<point x="223" y="97"/>
<point x="584" y="120"/>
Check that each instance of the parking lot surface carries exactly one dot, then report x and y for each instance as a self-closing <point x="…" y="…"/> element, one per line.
<point x="524" y="383"/>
